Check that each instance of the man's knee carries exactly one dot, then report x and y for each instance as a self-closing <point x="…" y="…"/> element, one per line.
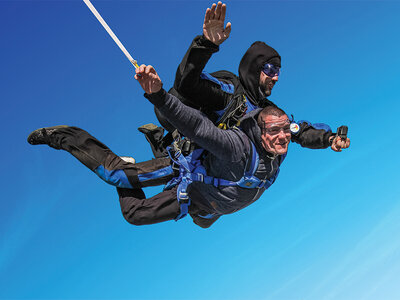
<point x="138" y="218"/>
<point x="117" y="178"/>
<point x="203" y="222"/>
<point x="133" y="219"/>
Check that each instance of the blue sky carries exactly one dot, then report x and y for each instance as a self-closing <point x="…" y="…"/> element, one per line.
<point x="327" y="229"/>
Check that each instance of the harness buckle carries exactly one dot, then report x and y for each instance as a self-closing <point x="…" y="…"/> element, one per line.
<point x="177" y="153"/>
<point x="186" y="146"/>
<point x="183" y="197"/>
<point x="175" y="166"/>
<point x="200" y="177"/>
<point x="262" y="183"/>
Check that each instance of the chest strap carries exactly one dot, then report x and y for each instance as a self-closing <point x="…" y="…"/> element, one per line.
<point x="191" y="170"/>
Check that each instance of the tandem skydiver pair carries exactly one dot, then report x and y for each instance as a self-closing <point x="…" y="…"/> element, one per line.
<point x="229" y="169"/>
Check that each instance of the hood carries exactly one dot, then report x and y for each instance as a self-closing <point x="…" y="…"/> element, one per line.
<point x="250" y="68"/>
<point x="249" y="126"/>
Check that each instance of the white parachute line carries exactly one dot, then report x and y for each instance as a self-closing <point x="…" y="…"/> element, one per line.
<point x="110" y="32"/>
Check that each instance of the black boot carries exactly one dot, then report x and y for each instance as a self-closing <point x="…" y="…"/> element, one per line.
<point x="154" y="135"/>
<point x="45" y="136"/>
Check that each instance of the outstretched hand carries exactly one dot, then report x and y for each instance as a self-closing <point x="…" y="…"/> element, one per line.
<point x="148" y="79"/>
<point x="213" y="27"/>
<point x="338" y="144"/>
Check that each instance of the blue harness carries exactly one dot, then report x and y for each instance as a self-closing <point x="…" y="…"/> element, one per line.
<point x="191" y="169"/>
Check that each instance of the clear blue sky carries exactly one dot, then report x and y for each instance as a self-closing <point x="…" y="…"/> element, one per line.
<point x="327" y="229"/>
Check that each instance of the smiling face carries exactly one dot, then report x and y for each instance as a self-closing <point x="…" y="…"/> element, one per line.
<point x="275" y="134"/>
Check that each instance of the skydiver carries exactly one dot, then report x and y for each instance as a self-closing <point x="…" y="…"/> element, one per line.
<point x="235" y="168"/>
<point x="222" y="96"/>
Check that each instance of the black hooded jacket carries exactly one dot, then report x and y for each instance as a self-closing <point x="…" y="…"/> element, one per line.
<point x="205" y="92"/>
<point x="214" y="92"/>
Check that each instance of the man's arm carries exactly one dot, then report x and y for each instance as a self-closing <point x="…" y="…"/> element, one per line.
<point x="225" y="144"/>
<point x="190" y="82"/>
<point x="318" y="136"/>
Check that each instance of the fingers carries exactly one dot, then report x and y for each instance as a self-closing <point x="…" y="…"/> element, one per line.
<point x="144" y="70"/>
<point x="223" y="12"/>
<point x="141" y="69"/>
<point x="137" y="75"/>
<point x="139" y="72"/>
<point x="150" y="70"/>
<point x="207" y="16"/>
<point x="343" y="143"/>
<point x="212" y="11"/>
<point x="148" y="78"/>
<point x="335" y="148"/>
<point x="348" y="143"/>
<point x="335" y="144"/>
<point x="227" y="30"/>
<point x="338" y="144"/>
<point x="218" y="11"/>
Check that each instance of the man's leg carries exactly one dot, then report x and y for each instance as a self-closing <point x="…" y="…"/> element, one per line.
<point x="138" y="210"/>
<point x="101" y="160"/>
<point x="162" y="207"/>
<point x="128" y="177"/>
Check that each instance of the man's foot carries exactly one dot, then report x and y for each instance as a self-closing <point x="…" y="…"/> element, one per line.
<point x="42" y="136"/>
<point x="148" y="128"/>
<point x="154" y="135"/>
<point x="128" y="159"/>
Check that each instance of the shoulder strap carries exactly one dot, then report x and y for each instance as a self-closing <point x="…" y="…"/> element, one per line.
<point x="252" y="163"/>
<point x="236" y="107"/>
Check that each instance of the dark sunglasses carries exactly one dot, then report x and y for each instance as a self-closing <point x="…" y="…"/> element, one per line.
<point x="271" y="70"/>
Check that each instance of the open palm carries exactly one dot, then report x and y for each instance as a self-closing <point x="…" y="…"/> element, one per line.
<point x="213" y="27"/>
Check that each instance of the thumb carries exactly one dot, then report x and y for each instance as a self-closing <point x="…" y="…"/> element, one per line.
<point x="228" y="29"/>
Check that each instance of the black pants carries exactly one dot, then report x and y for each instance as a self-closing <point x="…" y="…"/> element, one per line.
<point x="128" y="178"/>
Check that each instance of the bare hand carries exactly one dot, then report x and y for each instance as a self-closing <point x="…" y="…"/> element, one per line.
<point x="338" y="144"/>
<point x="148" y="79"/>
<point x="213" y="27"/>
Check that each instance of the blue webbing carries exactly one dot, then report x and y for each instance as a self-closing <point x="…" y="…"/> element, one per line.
<point x="187" y="176"/>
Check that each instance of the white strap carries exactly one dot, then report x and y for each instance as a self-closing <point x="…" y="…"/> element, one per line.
<point x="110" y="32"/>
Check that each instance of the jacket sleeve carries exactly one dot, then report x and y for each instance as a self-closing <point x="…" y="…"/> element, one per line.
<point x="313" y="136"/>
<point x="227" y="145"/>
<point x="201" y="88"/>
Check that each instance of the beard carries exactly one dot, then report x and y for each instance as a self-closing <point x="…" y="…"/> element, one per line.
<point x="265" y="87"/>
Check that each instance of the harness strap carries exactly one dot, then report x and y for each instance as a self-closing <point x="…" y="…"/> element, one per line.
<point x="255" y="159"/>
<point x="182" y="161"/>
<point x="183" y="198"/>
<point x="247" y="181"/>
<point x="187" y="176"/>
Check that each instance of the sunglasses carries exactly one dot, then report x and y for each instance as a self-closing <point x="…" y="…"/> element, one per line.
<point x="276" y="128"/>
<point x="271" y="70"/>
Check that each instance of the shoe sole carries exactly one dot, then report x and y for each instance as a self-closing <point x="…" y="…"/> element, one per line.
<point x="128" y="159"/>
<point x="29" y="139"/>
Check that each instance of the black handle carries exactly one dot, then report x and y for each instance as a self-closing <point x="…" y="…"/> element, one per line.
<point x="342" y="132"/>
